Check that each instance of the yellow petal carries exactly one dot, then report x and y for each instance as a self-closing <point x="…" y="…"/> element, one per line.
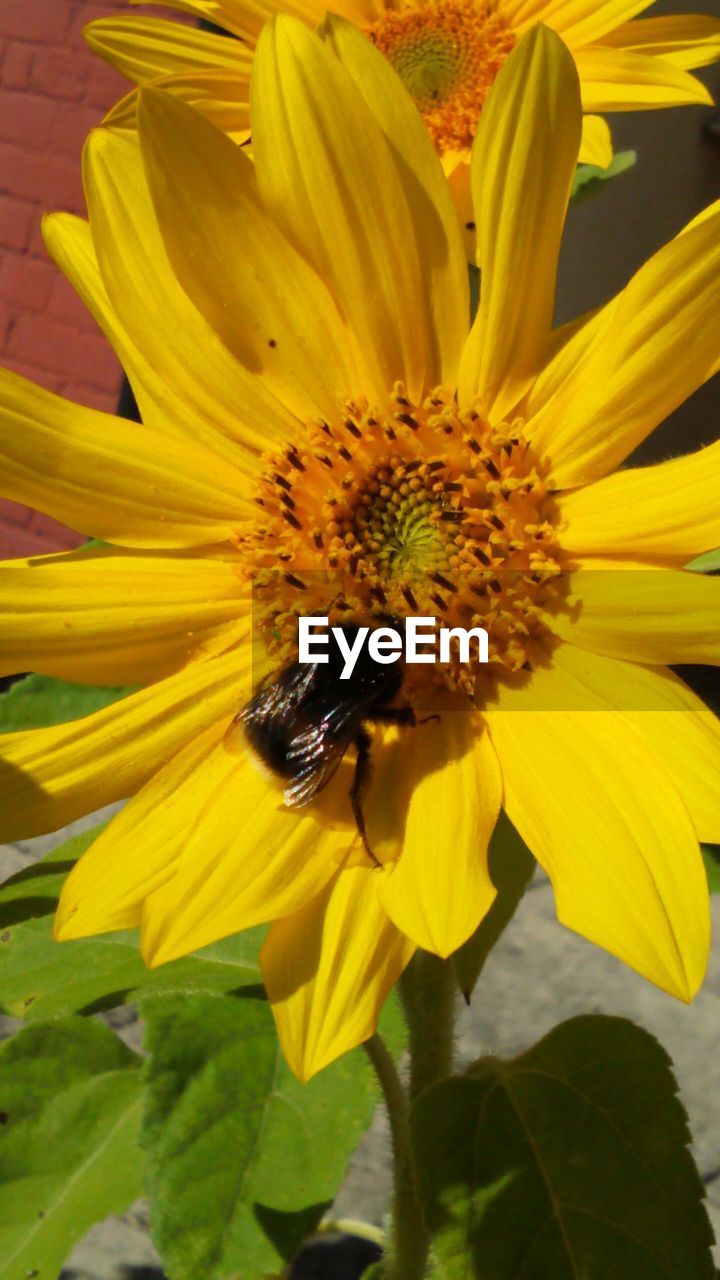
<point x="643" y="615"/>
<point x="152" y="307"/>
<point x="138" y="851"/>
<point x="222" y="97"/>
<point x="672" y="721"/>
<point x="243" y="857"/>
<point x="260" y="296"/>
<point x="145" y="48"/>
<point x="172" y="393"/>
<point x="110" y="478"/>
<point x="439" y="890"/>
<point x="329" y="968"/>
<point x="604" y="818"/>
<point x="102" y="617"/>
<point x="333" y="182"/>
<point x="442" y="256"/>
<point x="247" y="19"/>
<point x="596" y="145"/>
<point x="221" y="13"/>
<point x="668" y="510"/>
<point x="578" y="21"/>
<point x="49" y="777"/>
<point x="648" y="350"/>
<point x="687" y="40"/>
<point x="523" y="163"/>
<point x="613" y="80"/>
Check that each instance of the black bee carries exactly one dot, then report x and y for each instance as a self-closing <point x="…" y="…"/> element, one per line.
<point x="302" y="724"/>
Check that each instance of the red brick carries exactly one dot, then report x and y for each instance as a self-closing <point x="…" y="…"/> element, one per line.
<point x="25" y="118"/>
<point x="55" y="182"/>
<point x="60" y="349"/>
<point x="12" y="513"/>
<point x="45" y="527"/>
<point x="15" y="542"/>
<point x="61" y="73"/>
<point x="70" y="128"/>
<point x="65" y="305"/>
<point x="28" y="369"/>
<point x="105" y="86"/>
<point x="17" y="65"/>
<point x="27" y="282"/>
<point x="7" y="320"/>
<point x="46" y="21"/>
<point x="93" y="397"/>
<point x="16" y="221"/>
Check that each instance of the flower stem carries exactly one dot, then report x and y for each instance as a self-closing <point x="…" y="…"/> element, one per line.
<point x="408" y="1247"/>
<point x="428" y="994"/>
<point x="428" y="989"/>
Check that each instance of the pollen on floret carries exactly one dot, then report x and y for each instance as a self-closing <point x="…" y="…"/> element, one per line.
<point x="447" y="55"/>
<point x="407" y="509"/>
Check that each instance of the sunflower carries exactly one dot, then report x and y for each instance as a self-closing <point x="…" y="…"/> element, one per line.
<point x="447" y="52"/>
<point x="317" y="409"/>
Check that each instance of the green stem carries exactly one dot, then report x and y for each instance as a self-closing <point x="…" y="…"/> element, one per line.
<point x="408" y="1248"/>
<point x="428" y="990"/>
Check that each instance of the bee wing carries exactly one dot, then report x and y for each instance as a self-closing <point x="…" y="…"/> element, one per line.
<point x="277" y="702"/>
<point x="316" y="751"/>
<point x="282" y="697"/>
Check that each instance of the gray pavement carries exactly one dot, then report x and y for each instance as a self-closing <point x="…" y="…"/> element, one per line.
<point x="538" y="975"/>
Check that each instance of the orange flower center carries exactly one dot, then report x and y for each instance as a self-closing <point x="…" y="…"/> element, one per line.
<point x="447" y="55"/>
<point x="418" y="509"/>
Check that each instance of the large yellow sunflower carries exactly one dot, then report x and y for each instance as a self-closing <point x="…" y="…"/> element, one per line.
<point x="296" y="332"/>
<point x="447" y="52"/>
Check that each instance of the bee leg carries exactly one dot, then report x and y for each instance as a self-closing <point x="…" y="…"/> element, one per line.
<point x="404" y="716"/>
<point x="363" y="763"/>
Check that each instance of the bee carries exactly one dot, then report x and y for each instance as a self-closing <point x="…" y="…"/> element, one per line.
<point x="302" y="724"/>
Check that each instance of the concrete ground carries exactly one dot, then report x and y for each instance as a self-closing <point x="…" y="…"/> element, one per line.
<point x="538" y="975"/>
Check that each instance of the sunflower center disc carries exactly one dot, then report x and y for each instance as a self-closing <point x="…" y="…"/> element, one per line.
<point x="447" y="55"/>
<point x="422" y="510"/>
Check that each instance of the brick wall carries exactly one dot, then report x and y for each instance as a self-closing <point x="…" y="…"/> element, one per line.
<point x="53" y="90"/>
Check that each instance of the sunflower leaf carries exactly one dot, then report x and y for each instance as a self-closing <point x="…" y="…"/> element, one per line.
<point x="70" y="1100"/>
<point x="711" y="858"/>
<point x="707" y="563"/>
<point x="570" y="1161"/>
<point x="37" y="701"/>
<point x="242" y="1159"/>
<point x="35" y="890"/>
<point x="511" y="867"/>
<point x="41" y="978"/>
<point x="590" y="178"/>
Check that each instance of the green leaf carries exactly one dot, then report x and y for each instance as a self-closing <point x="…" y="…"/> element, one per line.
<point x="242" y="1158"/>
<point x="711" y="858"/>
<point x="35" y="890"/>
<point x="37" y="701"/>
<point x="511" y="867"/>
<point x="41" y="978"/>
<point x="69" y="1155"/>
<point x="707" y="563"/>
<point x="568" y="1162"/>
<point x="590" y="179"/>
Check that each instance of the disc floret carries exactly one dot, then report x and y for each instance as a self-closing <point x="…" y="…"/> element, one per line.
<point x="418" y="509"/>
<point x="447" y="55"/>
